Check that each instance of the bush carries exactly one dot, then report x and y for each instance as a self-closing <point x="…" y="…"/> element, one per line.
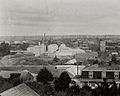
<point x="60" y="93"/>
<point x="73" y="91"/>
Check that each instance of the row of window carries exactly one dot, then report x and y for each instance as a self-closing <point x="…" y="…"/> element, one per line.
<point x="100" y="75"/>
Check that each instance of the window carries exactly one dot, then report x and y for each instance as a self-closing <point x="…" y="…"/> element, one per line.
<point x="90" y="74"/>
<point x="84" y="74"/>
<point x="110" y="75"/>
<point x="116" y="75"/>
<point x="97" y="75"/>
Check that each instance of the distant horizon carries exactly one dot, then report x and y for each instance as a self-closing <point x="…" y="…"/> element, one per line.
<point x="62" y="35"/>
<point x="39" y="37"/>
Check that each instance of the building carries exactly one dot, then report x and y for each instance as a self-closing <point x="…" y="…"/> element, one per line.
<point x="27" y="76"/>
<point x="52" y="48"/>
<point x="20" y="90"/>
<point x="67" y="51"/>
<point x="96" y="73"/>
<point x="81" y="57"/>
<point x="102" y="46"/>
<point x="75" y="70"/>
<point x="73" y="61"/>
<point x="37" y="50"/>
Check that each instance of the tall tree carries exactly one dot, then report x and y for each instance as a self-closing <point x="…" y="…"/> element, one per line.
<point x="62" y="83"/>
<point x="44" y="76"/>
<point x="114" y="60"/>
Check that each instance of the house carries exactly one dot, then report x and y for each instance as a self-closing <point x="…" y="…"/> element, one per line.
<point x="26" y="76"/>
<point x="96" y="73"/>
<point x="20" y="90"/>
<point x="81" y="57"/>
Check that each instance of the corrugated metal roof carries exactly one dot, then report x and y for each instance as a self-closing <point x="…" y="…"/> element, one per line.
<point x="20" y="90"/>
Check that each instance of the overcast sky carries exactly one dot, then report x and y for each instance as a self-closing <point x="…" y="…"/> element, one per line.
<point x="59" y="17"/>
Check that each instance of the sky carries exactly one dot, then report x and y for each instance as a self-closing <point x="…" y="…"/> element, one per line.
<point x="59" y="17"/>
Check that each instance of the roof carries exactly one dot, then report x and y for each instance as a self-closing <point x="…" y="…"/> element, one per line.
<point x="73" y="61"/>
<point x="102" y="68"/>
<point x="87" y="55"/>
<point x="73" y="70"/>
<point x="25" y="73"/>
<point x="20" y="90"/>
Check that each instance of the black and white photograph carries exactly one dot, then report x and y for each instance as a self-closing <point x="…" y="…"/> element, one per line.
<point x="59" y="47"/>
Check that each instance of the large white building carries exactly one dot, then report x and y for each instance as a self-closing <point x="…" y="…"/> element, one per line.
<point x="67" y="51"/>
<point x="37" y="50"/>
<point x="52" y="48"/>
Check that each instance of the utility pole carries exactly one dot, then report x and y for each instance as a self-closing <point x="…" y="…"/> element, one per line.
<point x="77" y="68"/>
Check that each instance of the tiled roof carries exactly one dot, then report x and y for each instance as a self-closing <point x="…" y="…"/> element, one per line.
<point x="20" y="90"/>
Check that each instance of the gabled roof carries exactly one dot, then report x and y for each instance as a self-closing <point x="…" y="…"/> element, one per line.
<point x="20" y="90"/>
<point x="73" y="70"/>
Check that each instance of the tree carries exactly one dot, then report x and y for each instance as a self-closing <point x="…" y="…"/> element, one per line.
<point x="56" y="59"/>
<point x="62" y="83"/>
<point x="24" y="46"/>
<point x="4" y="49"/>
<point x="114" y="60"/>
<point x="15" y="79"/>
<point x="41" y="89"/>
<point x="73" y="91"/>
<point x="44" y="76"/>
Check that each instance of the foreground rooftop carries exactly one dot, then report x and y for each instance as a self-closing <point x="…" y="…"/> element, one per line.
<point x="20" y="90"/>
